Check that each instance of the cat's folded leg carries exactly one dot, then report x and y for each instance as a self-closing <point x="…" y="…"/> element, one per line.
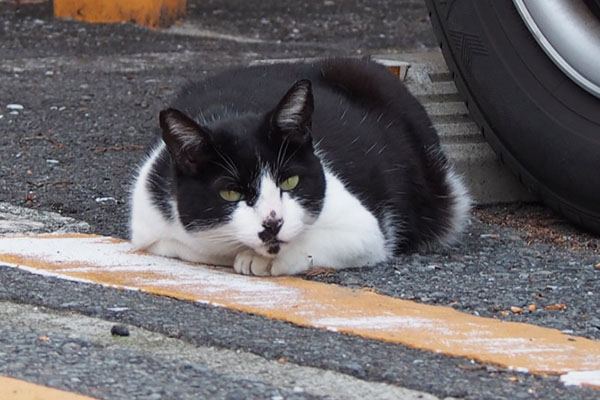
<point x="177" y="249"/>
<point x="292" y="263"/>
<point x="173" y="248"/>
<point x="248" y="262"/>
<point x="331" y="249"/>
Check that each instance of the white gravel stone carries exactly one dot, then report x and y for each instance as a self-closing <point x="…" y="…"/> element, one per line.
<point x="16" y="220"/>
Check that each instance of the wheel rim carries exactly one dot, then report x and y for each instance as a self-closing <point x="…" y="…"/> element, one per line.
<point x="569" y="33"/>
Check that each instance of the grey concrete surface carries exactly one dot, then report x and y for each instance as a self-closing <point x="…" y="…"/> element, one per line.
<point x="15" y="220"/>
<point x="90" y="95"/>
<point x="278" y="378"/>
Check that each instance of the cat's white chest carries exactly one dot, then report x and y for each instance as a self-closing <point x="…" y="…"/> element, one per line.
<point x="344" y="235"/>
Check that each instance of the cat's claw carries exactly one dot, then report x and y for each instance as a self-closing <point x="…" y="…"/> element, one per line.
<point x="248" y="262"/>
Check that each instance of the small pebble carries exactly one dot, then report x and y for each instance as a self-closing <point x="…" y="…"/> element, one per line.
<point x="118" y="309"/>
<point x="105" y="200"/>
<point x="119" y="330"/>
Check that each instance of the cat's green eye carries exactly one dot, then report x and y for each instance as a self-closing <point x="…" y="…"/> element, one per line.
<point x="230" y="195"/>
<point x="290" y="183"/>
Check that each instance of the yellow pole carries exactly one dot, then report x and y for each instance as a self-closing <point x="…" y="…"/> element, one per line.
<point x="152" y="13"/>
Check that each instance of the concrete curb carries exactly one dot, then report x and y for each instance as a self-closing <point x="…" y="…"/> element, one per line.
<point x="229" y="363"/>
<point x="488" y="178"/>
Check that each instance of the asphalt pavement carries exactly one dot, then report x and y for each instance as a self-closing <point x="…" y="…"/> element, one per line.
<point x="84" y="102"/>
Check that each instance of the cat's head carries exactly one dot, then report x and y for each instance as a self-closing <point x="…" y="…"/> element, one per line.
<point x="253" y="179"/>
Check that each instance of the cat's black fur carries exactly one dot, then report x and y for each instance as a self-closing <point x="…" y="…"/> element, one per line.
<point x="366" y="128"/>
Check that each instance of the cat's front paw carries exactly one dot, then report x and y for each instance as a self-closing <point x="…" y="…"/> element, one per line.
<point x="291" y="264"/>
<point x="248" y="262"/>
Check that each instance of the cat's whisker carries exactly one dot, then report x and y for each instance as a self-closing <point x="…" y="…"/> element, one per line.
<point x="370" y="148"/>
<point x="203" y="121"/>
<point x="229" y="165"/>
<point x="288" y="159"/>
<point x="283" y="147"/>
<point x="226" y="168"/>
<point x="363" y="118"/>
<point x="233" y="168"/>
<point x="278" y="160"/>
<point x="382" y="149"/>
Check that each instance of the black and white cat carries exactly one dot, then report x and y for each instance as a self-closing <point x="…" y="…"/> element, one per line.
<point x="278" y="169"/>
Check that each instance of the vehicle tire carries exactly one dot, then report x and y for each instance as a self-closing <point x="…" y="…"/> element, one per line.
<point x="543" y="125"/>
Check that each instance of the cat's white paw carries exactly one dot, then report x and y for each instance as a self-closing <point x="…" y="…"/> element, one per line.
<point x="248" y="262"/>
<point x="291" y="264"/>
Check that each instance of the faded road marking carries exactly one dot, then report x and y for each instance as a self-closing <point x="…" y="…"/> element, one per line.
<point x="15" y="389"/>
<point x="112" y="262"/>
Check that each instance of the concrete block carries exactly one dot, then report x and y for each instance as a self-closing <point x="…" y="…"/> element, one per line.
<point x="489" y="180"/>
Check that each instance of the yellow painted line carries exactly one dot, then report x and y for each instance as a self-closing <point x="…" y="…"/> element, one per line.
<point x="153" y="13"/>
<point x="15" y="389"/>
<point x="112" y="262"/>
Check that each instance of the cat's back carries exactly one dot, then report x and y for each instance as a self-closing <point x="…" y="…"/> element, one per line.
<point x="369" y="131"/>
<point x="262" y="86"/>
<point x="344" y="90"/>
<point x="251" y="89"/>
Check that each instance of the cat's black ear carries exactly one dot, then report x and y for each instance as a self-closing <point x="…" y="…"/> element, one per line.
<point x="186" y="141"/>
<point x="293" y="115"/>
